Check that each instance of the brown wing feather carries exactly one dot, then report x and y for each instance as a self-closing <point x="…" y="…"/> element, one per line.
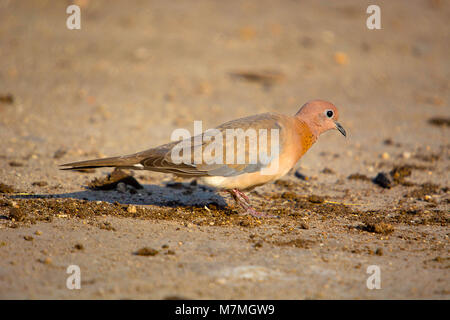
<point x="160" y="158"/>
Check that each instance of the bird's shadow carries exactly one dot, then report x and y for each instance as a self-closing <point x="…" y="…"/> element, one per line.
<point x="172" y="195"/>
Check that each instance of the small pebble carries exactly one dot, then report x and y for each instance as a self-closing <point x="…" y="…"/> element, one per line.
<point x="301" y="176"/>
<point x="258" y="244"/>
<point x="59" y="153"/>
<point x="303" y="225"/>
<point x="328" y="171"/>
<point x="341" y="58"/>
<point x="406" y="155"/>
<point x="132" y="209"/>
<point x="46" y="261"/>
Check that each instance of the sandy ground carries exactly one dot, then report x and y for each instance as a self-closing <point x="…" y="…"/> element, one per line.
<point x="137" y="70"/>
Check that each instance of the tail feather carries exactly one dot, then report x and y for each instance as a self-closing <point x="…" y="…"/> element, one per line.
<point x="122" y="162"/>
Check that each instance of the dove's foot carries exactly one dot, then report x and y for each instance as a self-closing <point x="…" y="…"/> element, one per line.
<point x="240" y="198"/>
<point x="244" y="202"/>
<point x="251" y="211"/>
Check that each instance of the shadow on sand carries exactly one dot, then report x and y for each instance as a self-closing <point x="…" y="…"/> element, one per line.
<point x="178" y="194"/>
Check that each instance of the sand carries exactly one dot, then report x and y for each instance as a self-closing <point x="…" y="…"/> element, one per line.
<point x="137" y="70"/>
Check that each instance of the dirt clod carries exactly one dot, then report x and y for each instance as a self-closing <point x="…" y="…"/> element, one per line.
<point x="17" y="214"/>
<point x="113" y="179"/>
<point x="16" y="164"/>
<point x="59" y="153"/>
<point x="285" y="183"/>
<point x="440" y="121"/>
<point x="358" y="176"/>
<point x="400" y="173"/>
<point x="289" y="195"/>
<point x="297" y="243"/>
<point x="383" y="180"/>
<point x="425" y="189"/>
<point x="328" y="171"/>
<point x="7" y="98"/>
<point x="378" y="227"/>
<point x="106" y="226"/>
<point x="146" y="252"/>
<point x="431" y="157"/>
<point x="316" y="199"/>
<point x="4" y="188"/>
<point x="40" y="183"/>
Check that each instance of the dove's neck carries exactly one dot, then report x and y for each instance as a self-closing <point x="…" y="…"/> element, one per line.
<point x="306" y="136"/>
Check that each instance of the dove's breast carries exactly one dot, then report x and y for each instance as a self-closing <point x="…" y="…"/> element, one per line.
<point x="294" y="145"/>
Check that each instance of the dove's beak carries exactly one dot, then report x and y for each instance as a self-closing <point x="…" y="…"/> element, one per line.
<point x="341" y="129"/>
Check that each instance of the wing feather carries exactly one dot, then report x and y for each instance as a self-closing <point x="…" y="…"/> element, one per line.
<point x="161" y="158"/>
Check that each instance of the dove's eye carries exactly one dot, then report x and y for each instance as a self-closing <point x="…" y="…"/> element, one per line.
<point x="329" y="113"/>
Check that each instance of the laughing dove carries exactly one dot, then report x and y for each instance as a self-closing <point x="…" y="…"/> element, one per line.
<point x="237" y="155"/>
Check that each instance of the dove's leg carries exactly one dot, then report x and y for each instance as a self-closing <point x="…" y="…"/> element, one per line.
<point x="244" y="202"/>
<point x="241" y="194"/>
<point x="240" y="198"/>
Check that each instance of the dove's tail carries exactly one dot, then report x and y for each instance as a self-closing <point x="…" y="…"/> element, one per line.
<point x="131" y="162"/>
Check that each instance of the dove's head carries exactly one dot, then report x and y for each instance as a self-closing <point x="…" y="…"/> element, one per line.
<point x="320" y="116"/>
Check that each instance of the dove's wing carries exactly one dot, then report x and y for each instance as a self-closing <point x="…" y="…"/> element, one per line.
<point x="240" y="146"/>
